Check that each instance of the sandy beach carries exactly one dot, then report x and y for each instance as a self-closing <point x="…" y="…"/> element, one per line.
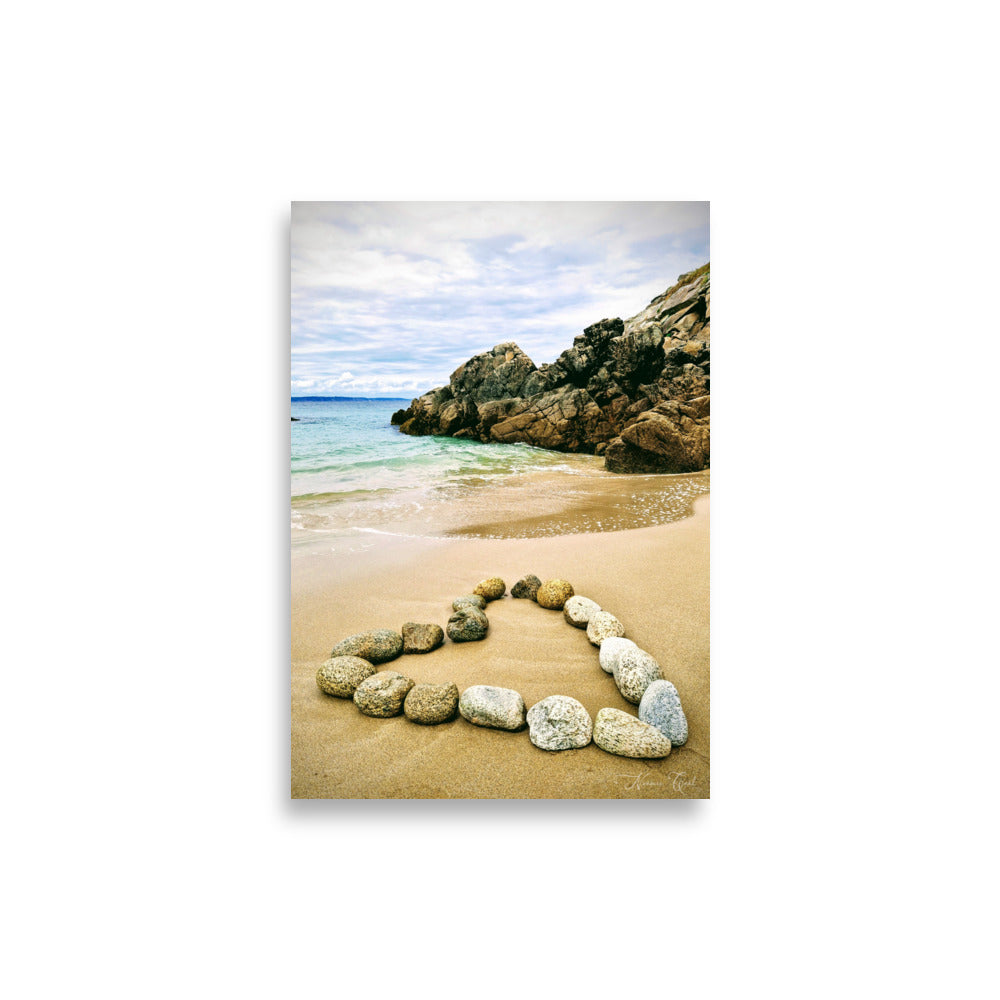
<point x="655" y="579"/>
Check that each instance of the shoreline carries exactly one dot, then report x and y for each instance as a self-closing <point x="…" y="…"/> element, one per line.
<point x="655" y="579"/>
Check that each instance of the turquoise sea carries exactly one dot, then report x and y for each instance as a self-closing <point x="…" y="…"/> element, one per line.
<point x="353" y="473"/>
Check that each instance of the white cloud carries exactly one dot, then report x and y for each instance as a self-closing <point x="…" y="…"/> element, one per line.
<point x="401" y="293"/>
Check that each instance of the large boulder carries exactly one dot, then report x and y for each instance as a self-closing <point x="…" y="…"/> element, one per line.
<point x="620" y="391"/>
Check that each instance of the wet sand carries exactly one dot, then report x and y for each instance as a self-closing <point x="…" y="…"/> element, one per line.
<point x="655" y="579"/>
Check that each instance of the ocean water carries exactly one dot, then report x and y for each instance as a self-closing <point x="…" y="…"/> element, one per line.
<point x="353" y="475"/>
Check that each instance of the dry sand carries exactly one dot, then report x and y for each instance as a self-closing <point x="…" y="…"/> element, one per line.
<point x="656" y="580"/>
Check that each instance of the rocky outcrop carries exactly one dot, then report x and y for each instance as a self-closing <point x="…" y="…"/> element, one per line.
<point x="636" y="391"/>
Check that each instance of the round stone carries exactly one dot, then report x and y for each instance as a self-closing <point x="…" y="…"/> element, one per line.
<point x="467" y="624"/>
<point x="611" y="648"/>
<point x="559" y="723"/>
<point x="421" y="638"/>
<point x="526" y="587"/>
<point x="341" y="675"/>
<point x="376" y="646"/>
<point x="603" y="625"/>
<point x="553" y="594"/>
<point x="382" y="695"/>
<point x="493" y="707"/>
<point x="634" y="671"/>
<point x="474" y="599"/>
<point x="661" y="707"/>
<point x="492" y="589"/>
<point x="578" y="610"/>
<point x="622" y="734"/>
<point x="430" y="704"/>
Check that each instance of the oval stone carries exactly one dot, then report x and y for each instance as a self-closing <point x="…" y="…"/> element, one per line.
<point x="382" y="695"/>
<point x="559" y="723"/>
<point x="634" y="671"/>
<point x="430" y="704"/>
<point x="493" y="707"/>
<point x="421" y="638"/>
<point x="474" y="599"/>
<point x="341" y="675"/>
<point x="492" y="589"/>
<point x="603" y="625"/>
<point x="526" y="587"/>
<point x="553" y="594"/>
<point x="467" y="624"/>
<point x="622" y="734"/>
<point x="377" y="645"/>
<point x="661" y="707"/>
<point x="611" y="648"/>
<point x="578" y="610"/>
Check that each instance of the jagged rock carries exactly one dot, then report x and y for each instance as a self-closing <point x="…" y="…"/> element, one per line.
<point x="490" y="590"/>
<point x="474" y="599"/>
<point x="430" y="704"/>
<point x="467" y="624"/>
<point x="421" y="638"/>
<point x="565" y="419"/>
<point x="619" y="733"/>
<point x="603" y="625"/>
<point x="526" y="587"/>
<point x="341" y="675"/>
<point x="553" y="594"/>
<point x="382" y="695"/>
<point x="494" y="707"/>
<point x="559" y="723"/>
<point x="611" y="649"/>
<point x="660" y="706"/>
<point x="578" y="610"/>
<point x="620" y="391"/>
<point x="667" y="438"/>
<point x="376" y="646"/>
<point x="634" y="671"/>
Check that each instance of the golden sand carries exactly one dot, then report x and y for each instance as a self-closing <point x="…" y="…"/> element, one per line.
<point x="656" y="580"/>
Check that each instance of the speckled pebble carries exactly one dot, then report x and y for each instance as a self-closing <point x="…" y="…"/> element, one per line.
<point x="661" y="707"/>
<point x="553" y="594"/>
<point x="467" y="624"/>
<point x="622" y="734"/>
<point x="603" y="625"/>
<point x="421" y="638"/>
<point x="634" y="671"/>
<point x="578" y="610"/>
<point x="611" y="648"/>
<point x="341" y="675"/>
<point x="376" y="646"/>
<point x="559" y="723"/>
<point x="492" y="589"/>
<point x="526" y="587"/>
<point x="382" y="695"/>
<point x="494" y="707"/>
<point x="430" y="704"/>
<point x="474" y="599"/>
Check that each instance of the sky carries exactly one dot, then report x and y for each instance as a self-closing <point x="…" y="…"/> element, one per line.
<point x="388" y="299"/>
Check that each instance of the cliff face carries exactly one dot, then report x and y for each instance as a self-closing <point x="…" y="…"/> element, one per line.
<point x="636" y="391"/>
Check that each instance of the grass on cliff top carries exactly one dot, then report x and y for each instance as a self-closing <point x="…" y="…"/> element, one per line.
<point x="686" y="279"/>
